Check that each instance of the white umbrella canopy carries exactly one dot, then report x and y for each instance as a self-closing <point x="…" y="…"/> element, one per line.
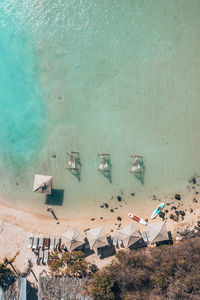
<point x="129" y="235"/>
<point x="97" y="238"/>
<point x="157" y="232"/>
<point x="72" y="239"/>
<point x="42" y="184"/>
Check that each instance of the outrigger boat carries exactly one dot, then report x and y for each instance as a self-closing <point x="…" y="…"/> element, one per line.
<point x="137" y="219"/>
<point x="103" y="164"/>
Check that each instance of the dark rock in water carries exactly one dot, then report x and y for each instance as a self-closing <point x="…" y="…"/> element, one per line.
<point x="161" y="215"/>
<point x="171" y="216"/>
<point x="193" y="187"/>
<point x="195" y="200"/>
<point x="177" y="196"/>
<point x="119" y="218"/>
<point x="112" y="198"/>
<point x="132" y="194"/>
<point x="119" y="198"/>
<point x="173" y="207"/>
<point x="194" y="180"/>
<point x="102" y="206"/>
<point x="111" y="210"/>
<point x="181" y="212"/>
<point x="197" y="193"/>
<point x="92" y="219"/>
<point x="116" y="207"/>
<point x="166" y="210"/>
<point x="176" y="212"/>
<point x="54" y="156"/>
<point x="17" y="183"/>
<point x="106" y="205"/>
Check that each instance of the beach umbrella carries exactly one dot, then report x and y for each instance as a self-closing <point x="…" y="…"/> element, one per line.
<point x="97" y="238"/>
<point x="157" y="232"/>
<point x="72" y="239"/>
<point x="128" y="235"/>
<point x="42" y="184"/>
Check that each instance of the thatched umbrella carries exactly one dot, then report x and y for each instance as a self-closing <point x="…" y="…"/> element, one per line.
<point x="97" y="238"/>
<point x="128" y="235"/>
<point x="157" y="232"/>
<point x="42" y="184"/>
<point x="72" y="239"/>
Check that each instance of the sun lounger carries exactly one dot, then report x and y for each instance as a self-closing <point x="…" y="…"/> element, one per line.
<point x="56" y="243"/>
<point x="46" y="243"/>
<point x="41" y="240"/>
<point x="30" y="241"/>
<point x="35" y="243"/>
<point x="45" y="256"/>
<point x="52" y="240"/>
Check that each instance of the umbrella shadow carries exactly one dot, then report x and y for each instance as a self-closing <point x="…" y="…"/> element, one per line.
<point x="56" y="197"/>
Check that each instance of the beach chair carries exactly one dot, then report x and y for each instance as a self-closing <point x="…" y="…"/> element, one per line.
<point x="56" y="243"/>
<point x="103" y="164"/>
<point x="45" y="256"/>
<point x="35" y="243"/>
<point x="41" y="240"/>
<point x="46" y="243"/>
<point x="52" y="242"/>
<point x="30" y="241"/>
<point x="137" y="164"/>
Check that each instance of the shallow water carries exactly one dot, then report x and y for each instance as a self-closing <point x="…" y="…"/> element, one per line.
<point x="97" y="76"/>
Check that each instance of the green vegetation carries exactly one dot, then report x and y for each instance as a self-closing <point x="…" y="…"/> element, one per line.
<point x="165" y="272"/>
<point x="5" y="271"/>
<point x="70" y="263"/>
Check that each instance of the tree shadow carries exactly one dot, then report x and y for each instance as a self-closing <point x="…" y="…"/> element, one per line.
<point x="56" y="197"/>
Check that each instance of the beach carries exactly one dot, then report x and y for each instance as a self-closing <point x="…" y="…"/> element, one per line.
<point x="17" y="224"/>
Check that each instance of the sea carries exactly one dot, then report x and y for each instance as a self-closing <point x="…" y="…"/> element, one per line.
<point x="117" y="77"/>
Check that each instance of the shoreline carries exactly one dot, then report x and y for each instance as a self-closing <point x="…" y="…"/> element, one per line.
<point x="17" y="224"/>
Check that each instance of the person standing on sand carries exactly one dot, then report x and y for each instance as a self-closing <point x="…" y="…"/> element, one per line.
<point x="52" y="211"/>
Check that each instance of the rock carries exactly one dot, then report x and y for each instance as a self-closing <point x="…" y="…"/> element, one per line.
<point x="176" y="212"/>
<point x="112" y="198"/>
<point x="179" y="238"/>
<point x="166" y="210"/>
<point x="106" y="205"/>
<point x="102" y="206"/>
<point x="161" y="215"/>
<point x="132" y="194"/>
<point x="116" y="207"/>
<point x="177" y="196"/>
<point x="181" y="212"/>
<point x="101" y="218"/>
<point x="92" y="219"/>
<point x="197" y="227"/>
<point x="197" y="193"/>
<point x="119" y="225"/>
<point x="176" y="218"/>
<point x="86" y="229"/>
<point x="119" y="198"/>
<point x="54" y="156"/>
<point x="171" y="216"/>
<point x="146" y="220"/>
<point x="119" y="218"/>
<point x="168" y="203"/>
<point x="111" y="210"/>
<point x="191" y="210"/>
<point x="194" y="180"/>
<point x="111" y="230"/>
<point x="173" y="207"/>
<point x="195" y="200"/>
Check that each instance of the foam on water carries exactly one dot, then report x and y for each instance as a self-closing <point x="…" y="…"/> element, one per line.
<point x="118" y="77"/>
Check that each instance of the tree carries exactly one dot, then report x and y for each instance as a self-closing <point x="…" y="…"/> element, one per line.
<point x="103" y="286"/>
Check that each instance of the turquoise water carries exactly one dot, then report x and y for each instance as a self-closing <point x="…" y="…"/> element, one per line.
<point x="120" y="77"/>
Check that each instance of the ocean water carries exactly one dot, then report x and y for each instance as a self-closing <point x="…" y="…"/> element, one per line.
<point x="119" y="77"/>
